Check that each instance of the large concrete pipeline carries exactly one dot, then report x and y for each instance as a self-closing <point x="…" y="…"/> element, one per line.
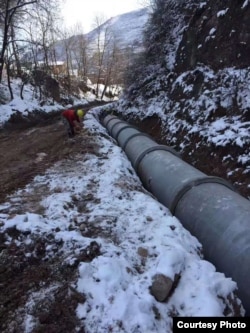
<point x="208" y="207"/>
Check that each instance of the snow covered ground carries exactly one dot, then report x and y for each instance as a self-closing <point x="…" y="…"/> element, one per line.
<point x="142" y="247"/>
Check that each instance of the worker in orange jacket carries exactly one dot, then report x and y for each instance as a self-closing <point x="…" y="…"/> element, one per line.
<point x="73" y="121"/>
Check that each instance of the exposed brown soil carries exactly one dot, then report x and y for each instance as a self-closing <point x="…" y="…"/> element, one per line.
<point x="28" y="146"/>
<point x="207" y="158"/>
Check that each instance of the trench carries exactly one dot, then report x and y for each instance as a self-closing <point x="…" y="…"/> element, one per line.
<point x="209" y="207"/>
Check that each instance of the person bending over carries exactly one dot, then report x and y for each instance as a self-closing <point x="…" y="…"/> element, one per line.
<point x="73" y="121"/>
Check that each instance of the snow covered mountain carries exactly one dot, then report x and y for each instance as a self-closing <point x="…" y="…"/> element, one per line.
<point x="123" y="31"/>
<point x="126" y="29"/>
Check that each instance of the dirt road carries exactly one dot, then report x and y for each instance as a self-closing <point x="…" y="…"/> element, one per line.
<point x="28" y="146"/>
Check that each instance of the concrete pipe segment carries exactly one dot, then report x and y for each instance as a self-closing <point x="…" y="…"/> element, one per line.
<point x="207" y="206"/>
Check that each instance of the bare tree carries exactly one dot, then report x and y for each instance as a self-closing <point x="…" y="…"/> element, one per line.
<point x="110" y="66"/>
<point x="41" y="29"/>
<point x="68" y="41"/>
<point x="9" y="9"/>
<point x="38" y="31"/>
<point x="79" y="51"/>
<point x="103" y="43"/>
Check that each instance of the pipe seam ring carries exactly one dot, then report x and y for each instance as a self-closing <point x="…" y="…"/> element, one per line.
<point x="133" y="136"/>
<point x="123" y="128"/>
<point x="149" y="150"/>
<point x="111" y="117"/>
<point x="112" y="126"/>
<point x="196" y="182"/>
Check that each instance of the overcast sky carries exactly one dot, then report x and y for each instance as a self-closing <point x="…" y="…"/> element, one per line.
<point x="85" y="11"/>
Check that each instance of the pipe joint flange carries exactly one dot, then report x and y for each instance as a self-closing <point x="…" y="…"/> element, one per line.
<point x="117" y="123"/>
<point x="188" y="186"/>
<point x="149" y="150"/>
<point x="123" y="128"/>
<point x="110" y="118"/>
<point x="133" y="136"/>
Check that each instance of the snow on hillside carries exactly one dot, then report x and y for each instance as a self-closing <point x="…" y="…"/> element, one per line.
<point x="126" y="28"/>
<point x="199" y="107"/>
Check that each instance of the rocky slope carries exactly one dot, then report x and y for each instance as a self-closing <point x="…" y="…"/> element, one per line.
<point x="192" y="85"/>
